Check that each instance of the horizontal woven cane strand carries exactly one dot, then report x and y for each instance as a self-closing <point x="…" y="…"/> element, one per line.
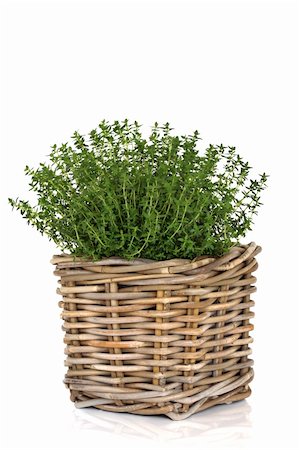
<point x="158" y="337"/>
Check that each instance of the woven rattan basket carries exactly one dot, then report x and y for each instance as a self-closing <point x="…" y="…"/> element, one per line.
<point x="158" y="337"/>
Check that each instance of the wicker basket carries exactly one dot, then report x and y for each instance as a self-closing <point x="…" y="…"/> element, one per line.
<point x="158" y="337"/>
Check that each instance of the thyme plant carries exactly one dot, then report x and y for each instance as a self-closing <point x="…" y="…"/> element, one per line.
<point x="115" y="192"/>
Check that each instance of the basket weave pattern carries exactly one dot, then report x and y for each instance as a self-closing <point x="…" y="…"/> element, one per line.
<point x="158" y="337"/>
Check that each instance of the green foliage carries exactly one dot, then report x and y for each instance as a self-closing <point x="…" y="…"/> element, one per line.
<point x="117" y="193"/>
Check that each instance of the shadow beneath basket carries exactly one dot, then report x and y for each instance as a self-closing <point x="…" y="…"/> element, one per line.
<point x="223" y="424"/>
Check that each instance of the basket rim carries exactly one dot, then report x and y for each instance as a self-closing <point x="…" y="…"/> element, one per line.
<point x="177" y="267"/>
<point x="67" y="257"/>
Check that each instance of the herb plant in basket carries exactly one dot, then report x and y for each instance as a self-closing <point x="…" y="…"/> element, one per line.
<point x="154" y="280"/>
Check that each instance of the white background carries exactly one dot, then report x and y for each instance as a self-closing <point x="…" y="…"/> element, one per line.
<point x="229" y="69"/>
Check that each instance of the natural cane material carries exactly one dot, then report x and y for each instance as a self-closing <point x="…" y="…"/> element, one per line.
<point x="158" y="337"/>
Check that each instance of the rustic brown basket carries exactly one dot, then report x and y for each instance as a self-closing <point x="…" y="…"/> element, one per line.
<point x="158" y="337"/>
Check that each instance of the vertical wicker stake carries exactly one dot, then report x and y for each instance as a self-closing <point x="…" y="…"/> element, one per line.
<point x="157" y="345"/>
<point x="246" y="339"/>
<point x="70" y="306"/>
<point x="158" y="337"/>
<point x="220" y="337"/>
<point x="112" y="288"/>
